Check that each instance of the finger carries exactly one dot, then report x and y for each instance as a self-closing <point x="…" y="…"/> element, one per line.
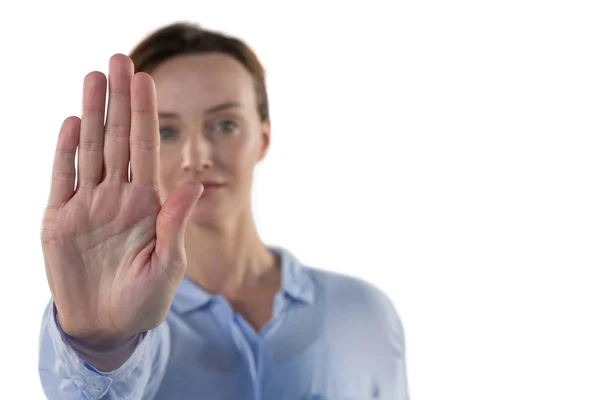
<point x="145" y="140"/>
<point x="91" y="141"/>
<point x="172" y="220"/>
<point x="62" y="186"/>
<point x="118" y="119"/>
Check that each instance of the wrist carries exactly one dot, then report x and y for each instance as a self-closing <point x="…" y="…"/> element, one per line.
<point x="95" y="341"/>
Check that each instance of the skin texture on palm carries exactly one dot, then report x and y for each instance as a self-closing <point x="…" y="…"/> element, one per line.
<point x="114" y="254"/>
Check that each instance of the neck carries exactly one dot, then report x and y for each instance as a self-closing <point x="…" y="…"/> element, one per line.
<point x="229" y="257"/>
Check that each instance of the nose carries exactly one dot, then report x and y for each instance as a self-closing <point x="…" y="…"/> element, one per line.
<point x="197" y="154"/>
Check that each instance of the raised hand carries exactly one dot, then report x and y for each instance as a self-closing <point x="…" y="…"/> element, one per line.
<point x="114" y="256"/>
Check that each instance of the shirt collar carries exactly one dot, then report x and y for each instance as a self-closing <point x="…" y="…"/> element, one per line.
<point x="190" y="297"/>
<point x="296" y="283"/>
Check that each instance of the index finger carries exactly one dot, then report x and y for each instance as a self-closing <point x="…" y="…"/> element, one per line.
<point x="144" y="140"/>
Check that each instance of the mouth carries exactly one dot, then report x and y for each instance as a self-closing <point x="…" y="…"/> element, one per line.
<point x="211" y="187"/>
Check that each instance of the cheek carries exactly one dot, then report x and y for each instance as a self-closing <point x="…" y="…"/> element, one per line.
<point x="239" y="159"/>
<point x="167" y="170"/>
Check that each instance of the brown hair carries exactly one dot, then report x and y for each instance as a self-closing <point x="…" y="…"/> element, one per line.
<point x="184" y="38"/>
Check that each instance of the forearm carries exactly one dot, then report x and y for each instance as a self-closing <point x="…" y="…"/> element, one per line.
<point x="68" y="373"/>
<point x="104" y="356"/>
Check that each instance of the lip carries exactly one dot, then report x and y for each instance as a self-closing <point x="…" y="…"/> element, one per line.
<point x="211" y="187"/>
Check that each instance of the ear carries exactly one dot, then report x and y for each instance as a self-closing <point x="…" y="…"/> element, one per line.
<point x="265" y="138"/>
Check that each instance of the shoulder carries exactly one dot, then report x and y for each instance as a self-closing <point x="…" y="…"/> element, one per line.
<point x="345" y="302"/>
<point x="358" y="315"/>
<point x="348" y="297"/>
<point x="334" y="283"/>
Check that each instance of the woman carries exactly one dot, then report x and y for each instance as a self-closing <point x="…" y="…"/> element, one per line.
<point x="161" y="287"/>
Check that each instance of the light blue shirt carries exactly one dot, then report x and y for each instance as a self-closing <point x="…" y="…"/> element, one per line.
<point x="331" y="337"/>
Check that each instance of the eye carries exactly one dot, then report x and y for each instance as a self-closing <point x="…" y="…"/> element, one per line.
<point x="226" y="126"/>
<point x="167" y="133"/>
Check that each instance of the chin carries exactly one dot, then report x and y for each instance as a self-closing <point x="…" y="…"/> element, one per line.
<point x="205" y="214"/>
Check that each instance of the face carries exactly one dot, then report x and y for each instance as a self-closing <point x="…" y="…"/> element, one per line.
<point x="210" y="130"/>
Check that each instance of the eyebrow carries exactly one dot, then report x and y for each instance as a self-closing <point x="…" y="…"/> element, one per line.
<point x="219" y="107"/>
<point x="223" y="106"/>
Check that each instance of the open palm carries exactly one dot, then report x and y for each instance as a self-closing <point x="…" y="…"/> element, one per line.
<point x="113" y="254"/>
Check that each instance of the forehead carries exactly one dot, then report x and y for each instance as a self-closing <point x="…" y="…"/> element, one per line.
<point x="200" y="81"/>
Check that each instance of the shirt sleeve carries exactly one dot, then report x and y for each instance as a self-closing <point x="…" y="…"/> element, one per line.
<point x="395" y="351"/>
<point x="65" y="375"/>
<point x="398" y="368"/>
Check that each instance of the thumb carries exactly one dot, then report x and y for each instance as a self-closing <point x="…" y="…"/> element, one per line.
<point x="172" y="220"/>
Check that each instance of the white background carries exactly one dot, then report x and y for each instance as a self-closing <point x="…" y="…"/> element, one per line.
<point x="446" y="151"/>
